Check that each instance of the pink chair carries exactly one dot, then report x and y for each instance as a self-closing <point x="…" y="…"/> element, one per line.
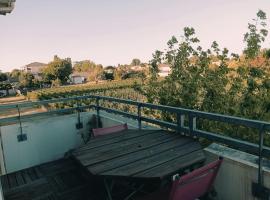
<point x="109" y="130"/>
<point x="190" y="186"/>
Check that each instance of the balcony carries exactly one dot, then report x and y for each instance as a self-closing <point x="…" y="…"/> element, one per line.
<point x="36" y="147"/>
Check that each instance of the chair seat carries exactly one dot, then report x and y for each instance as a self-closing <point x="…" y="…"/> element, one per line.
<point x="190" y="186"/>
<point x="109" y="130"/>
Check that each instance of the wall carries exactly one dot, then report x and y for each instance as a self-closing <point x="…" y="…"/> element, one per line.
<point x="237" y="172"/>
<point x="47" y="139"/>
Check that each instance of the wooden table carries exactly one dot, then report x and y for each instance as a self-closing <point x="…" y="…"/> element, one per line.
<point x="142" y="154"/>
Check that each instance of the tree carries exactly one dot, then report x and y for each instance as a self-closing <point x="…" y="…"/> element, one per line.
<point x="193" y="83"/>
<point x="256" y="35"/>
<point x="27" y="80"/>
<point x="85" y="66"/>
<point x="57" y="69"/>
<point x="135" y="62"/>
<point x="14" y="75"/>
<point x="3" y="77"/>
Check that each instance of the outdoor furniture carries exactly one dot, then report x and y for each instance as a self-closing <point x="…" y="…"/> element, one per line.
<point x="109" y="130"/>
<point x="133" y="155"/>
<point x="190" y="186"/>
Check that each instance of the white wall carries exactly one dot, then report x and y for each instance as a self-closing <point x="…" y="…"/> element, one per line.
<point x="237" y="172"/>
<point x="47" y="139"/>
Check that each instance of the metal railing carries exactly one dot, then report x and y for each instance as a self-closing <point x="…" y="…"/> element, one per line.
<point x="191" y="129"/>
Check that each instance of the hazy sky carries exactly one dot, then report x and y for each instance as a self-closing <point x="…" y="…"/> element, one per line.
<point x="115" y="31"/>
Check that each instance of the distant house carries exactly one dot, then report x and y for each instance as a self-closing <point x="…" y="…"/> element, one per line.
<point x="34" y="68"/>
<point x="79" y="77"/>
<point x="164" y="70"/>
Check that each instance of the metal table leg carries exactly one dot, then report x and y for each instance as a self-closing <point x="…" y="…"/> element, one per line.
<point x="108" y="188"/>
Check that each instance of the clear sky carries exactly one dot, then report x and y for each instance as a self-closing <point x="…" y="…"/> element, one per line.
<point x="115" y="31"/>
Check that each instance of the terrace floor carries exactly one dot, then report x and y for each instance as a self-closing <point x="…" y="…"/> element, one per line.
<point x="61" y="179"/>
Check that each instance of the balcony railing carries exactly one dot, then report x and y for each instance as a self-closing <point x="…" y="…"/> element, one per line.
<point x="190" y="128"/>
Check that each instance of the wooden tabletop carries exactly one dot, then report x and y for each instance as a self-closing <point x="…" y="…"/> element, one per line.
<point x="139" y="154"/>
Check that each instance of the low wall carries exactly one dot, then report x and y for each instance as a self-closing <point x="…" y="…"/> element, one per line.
<point x="238" y="171"/>
<point x="48" y="139"/>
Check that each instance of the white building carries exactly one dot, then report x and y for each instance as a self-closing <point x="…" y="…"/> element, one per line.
<point x="34" y="68"/>
<point x="79" y="77"/>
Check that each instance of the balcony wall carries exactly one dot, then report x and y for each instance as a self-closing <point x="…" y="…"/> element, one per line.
<point x="237" y="173"/>
<point x="47" y="139"/>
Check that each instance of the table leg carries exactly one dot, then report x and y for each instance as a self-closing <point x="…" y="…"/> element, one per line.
<point x="108" y="189"/>
<point x="134" y="192"/>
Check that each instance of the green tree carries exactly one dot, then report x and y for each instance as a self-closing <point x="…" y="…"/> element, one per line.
<point x="57" y="69"/>
<point x="5" y="86"/>
<point x="256" y="35"/>
<point x="135" y="62"/>
<point x="27" y="80"/>
<point x="14" y="75"/>
<point x="3" y="77"/>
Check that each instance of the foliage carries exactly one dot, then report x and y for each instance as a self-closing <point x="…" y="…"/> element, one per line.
<point x="3" y="77"/>
<point x="256" y="35"/>
<point x="57" y="69"/>
<point x="135" y="62"/>
<point x="195" y="83"/>
<point x="14" y="75"/>
<point x="5" y="86"/>
<point x="267" y="54"/>
<point x="79" y="90"/>
<point x="108" y="75"/>
<point x="94" y="70"/>
<point x="27" y="80"/>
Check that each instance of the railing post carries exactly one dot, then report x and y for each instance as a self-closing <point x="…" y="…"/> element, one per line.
<point x="260" y="180"/>
<point x="139" y="116"/>
<point x="97" y="109"/>
<point x="258" y="189"/>
<point x="21" y="137"/>
<point x="180" y="118"/>
<point x="192" y="122"/>
<point x="79" y="125"/>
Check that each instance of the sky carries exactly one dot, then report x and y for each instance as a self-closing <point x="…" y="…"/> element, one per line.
<point x="112" y="32"/>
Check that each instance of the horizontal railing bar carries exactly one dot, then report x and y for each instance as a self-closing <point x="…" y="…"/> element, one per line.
<point x="109" y="110"/>
<point x="200" y="114"/>
<point x="13" y="119"/>
<point x="125" y="101"/>
<point x="28" y="104"/>
<point x="213" y="116"/>
<point x="243" y="145"/>
<point x="159" y="122"/>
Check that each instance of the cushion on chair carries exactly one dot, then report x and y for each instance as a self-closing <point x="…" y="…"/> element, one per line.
<point x="190" y="186"/>
<point x="109" y="130"/>
<point x="196" y="183"/>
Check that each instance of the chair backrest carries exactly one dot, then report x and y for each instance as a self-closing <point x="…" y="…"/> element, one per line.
<point x="196" y="183"/>
<point x="109" y="130"/>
